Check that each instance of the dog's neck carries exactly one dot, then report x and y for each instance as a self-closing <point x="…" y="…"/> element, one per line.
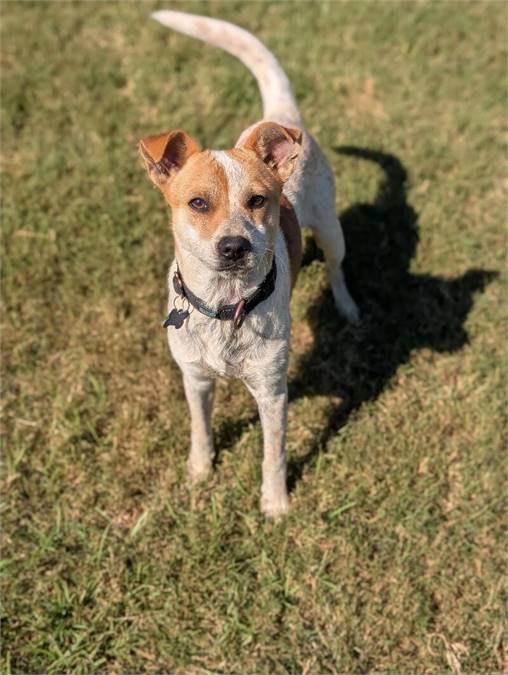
<point x="220" y="288"/>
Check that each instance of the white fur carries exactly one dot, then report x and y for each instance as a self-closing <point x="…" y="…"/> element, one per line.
<point x="258" y="352"/>
<point x="236" y="177"/>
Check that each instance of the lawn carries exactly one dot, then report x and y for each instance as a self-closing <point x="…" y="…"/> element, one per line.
<point x="392" y="557"/>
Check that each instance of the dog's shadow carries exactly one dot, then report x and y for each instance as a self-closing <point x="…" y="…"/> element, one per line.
<point x="401" y="312"/>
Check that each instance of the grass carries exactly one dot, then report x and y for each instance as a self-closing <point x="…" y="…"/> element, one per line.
<point x="392" y="556"/>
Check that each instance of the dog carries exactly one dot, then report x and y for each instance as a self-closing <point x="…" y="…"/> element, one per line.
<point x="236" y="218"/>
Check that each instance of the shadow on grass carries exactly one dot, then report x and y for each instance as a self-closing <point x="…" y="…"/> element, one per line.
<point x="401" y="311"/>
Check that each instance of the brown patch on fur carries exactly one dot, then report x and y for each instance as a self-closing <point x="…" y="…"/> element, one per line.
<point x="262" y="179"/>
<point x="202" y="176"/>
<point x="292" y="235"/>
<point x="277" y="146"/>
<point x="165" y="154"/>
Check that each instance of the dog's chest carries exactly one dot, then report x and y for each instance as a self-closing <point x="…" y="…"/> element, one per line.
<point x="221" y="350"/>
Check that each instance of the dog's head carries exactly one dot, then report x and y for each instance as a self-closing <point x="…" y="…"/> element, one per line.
<point x="225" y="204"/>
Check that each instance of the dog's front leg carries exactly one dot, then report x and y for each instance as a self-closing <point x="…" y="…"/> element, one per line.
<point x="199" y="390"/>
<point x="272" y="400"/>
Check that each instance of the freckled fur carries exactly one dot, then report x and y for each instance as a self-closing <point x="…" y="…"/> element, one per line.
<point x="285" y="164"/>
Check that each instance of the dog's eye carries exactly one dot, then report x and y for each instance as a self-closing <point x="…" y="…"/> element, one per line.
<point x="198" y="204"/>
<point x="256" y="201"/>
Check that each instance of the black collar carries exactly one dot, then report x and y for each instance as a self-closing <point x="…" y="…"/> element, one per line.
<point x="236" y="312"/>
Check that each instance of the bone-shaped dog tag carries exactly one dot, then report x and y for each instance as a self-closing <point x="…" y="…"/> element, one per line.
<point x="175" y="318"/>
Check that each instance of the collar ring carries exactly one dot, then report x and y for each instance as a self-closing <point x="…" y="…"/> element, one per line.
<point x="240" y="314"/>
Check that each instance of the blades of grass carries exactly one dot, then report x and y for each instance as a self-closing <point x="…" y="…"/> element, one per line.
<point x="100" y="549"/>
<point x="341" y="509"/>
<point x="139" y="524"/>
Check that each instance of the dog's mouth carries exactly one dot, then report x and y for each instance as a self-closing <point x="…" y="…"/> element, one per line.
<point x="233" y="268"/>
<point x="236" y="267"/>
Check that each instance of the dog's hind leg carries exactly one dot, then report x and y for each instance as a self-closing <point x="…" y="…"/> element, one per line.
<point x="328" y="234"/>
<point x="317" y="211"/>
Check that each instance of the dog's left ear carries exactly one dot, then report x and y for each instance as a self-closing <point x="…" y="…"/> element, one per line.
<point x="276" y="146"/>
<point x="165" y="154"/>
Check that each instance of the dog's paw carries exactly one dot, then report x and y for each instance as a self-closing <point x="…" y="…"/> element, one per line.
<point x="344" y="303"/>
<point x="198" y="472"/>
<point x="274" y="508"/>
<point x="349" y="310"/>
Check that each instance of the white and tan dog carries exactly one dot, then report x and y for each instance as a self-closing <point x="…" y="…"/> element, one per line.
<point x="236" y="217"/>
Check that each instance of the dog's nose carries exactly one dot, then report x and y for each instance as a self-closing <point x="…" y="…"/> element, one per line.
<point x="233" y="248"/>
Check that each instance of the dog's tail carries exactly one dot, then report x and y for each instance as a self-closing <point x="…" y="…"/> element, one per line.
<point x="279" y="104"/>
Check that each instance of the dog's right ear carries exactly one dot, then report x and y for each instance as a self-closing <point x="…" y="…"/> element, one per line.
<point x="165" y="154"/>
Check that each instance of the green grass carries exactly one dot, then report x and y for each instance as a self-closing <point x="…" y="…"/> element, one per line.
<point x="392" y="556"/>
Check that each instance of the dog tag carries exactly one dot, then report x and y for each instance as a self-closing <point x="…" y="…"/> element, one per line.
<point x="175" y="318"/>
